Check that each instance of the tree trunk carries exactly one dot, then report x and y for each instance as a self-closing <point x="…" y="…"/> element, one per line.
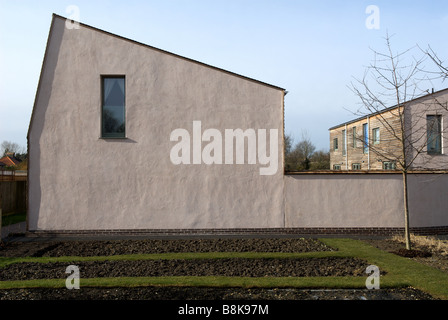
<point x="406" y="211"/>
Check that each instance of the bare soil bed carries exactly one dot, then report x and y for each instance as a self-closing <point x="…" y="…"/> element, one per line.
<point x="196" y="267"/>
<point x="86" y="248"/>
<point x="235" y="267"/>
<point x="201" y="293"/>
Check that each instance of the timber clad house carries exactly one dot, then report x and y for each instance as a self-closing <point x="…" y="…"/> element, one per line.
<point x="373" y="142"/>
<point x="144" y="141"/>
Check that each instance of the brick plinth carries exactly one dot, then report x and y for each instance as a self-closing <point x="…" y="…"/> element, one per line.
<point x="443" y="230"/>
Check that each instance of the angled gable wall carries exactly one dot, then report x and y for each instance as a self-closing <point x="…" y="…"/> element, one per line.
<point x="79" y="181"/>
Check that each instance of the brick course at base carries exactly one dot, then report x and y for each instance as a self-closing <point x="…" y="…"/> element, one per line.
<point x="443" y="230"/>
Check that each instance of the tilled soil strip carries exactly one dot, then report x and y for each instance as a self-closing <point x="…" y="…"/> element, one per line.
<point x="88" y="248"/>
<point x="231" y="267"/>
<point x="200" y="293"/>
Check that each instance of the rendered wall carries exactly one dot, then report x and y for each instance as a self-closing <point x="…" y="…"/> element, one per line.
<point x="365" y="200"/>
<point x="79" y="181"/>
<point x="434" y="104"/>
<point x="428" y="199"/>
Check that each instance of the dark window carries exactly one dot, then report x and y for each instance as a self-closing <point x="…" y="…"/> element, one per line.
<point x="356" y="166"/>
<point x="389" y="165"/>
<point x="336" y="167"/>
<point x="113" y="124"/>
<point x="434" y="126"/>
<point x="335" y="144"/>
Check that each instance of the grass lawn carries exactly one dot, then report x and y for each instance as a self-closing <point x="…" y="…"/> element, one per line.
<point x="401" y="272"/>
<point x="13" y="218"/>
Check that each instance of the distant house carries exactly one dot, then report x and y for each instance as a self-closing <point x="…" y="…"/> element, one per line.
<point x="9" y="160"/>
<point x="371" y="142"/>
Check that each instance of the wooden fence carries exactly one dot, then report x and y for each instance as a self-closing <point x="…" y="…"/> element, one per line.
<point x="13" y="191"/>
<point x="13" y="175"/>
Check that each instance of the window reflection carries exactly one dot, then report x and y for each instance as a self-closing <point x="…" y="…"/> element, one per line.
<point x="113" y="111"/>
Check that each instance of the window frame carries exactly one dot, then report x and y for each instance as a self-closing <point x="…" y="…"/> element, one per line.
<point x="103" y="134"/>
<point x="387" y="163"/>
<point x="336" y="167"/>
<point x="356" y="164"/>
<point x="438" y="134"/>
<point x="335" y="144"/>
<point x="375" y="132"/>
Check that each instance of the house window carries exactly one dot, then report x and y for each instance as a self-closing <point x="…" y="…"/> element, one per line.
<point x="336" y="167"/>
<point x="376" y="135"/>
<point x="354" y="137"/>
<point x="335" y="144"/>
<point x="434" y="134"/>
<point x="113" y="123"/>
<point x="365" y="137"/>
<point x="356" y="166"/>
<point x="389" y="165"/>
<point x="344" y="139"/>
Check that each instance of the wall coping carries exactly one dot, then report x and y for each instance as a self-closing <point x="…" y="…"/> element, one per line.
<point x="361" y="172"/>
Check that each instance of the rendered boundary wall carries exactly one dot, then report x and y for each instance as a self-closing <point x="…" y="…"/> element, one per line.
<point x="366" y="201"/>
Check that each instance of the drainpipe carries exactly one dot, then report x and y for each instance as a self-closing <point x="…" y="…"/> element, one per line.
<point x="368" y="143"/>
<point x="346" y="149"/>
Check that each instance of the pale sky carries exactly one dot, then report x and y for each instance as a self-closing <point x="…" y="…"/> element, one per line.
<point x="313" y="49"/>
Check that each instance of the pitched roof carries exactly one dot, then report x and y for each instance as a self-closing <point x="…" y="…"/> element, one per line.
<point x="9" y="161"/>
<point x="386" y="109"/>
<point x="170" y="53"/>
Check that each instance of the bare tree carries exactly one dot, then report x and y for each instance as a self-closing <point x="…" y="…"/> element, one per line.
<point x="389" y="85"/>
<point x="298" y="156"/>
<point x="304" y="150"/>
<point x="289" y="161"/>
<point x="441" y="71"/>
<point x="288" y="144"/>
<point x="320" y="160"/>
<point x="7" y="147"/>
